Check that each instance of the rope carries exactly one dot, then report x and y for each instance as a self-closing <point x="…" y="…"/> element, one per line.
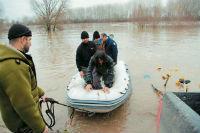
<point x="50" y="111"/>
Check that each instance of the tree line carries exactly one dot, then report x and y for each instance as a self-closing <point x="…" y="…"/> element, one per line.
<point x="52" y="13"/>
<point x="136" y="10"/>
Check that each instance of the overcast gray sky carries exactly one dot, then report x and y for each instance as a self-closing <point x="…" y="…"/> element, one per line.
<point x="16" y="9"/>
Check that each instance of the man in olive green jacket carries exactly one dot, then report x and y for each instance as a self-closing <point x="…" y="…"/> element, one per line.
<point x="19" y="93"/>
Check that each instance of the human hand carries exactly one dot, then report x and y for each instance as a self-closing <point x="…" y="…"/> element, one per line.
<point x="43" y="98"/>
<point x="46" y="130"/>
<point x="81" y="74"/>
<point x="88" y="87"/>
<point x="106" y="89"/>
<point x="114" y="63"/>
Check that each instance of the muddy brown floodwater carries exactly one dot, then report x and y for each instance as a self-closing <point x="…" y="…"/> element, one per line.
<point x="142" y="48"/>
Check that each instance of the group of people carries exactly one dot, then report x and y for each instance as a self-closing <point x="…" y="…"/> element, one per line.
<point x="96" y="59"/>
<point x="19" y="92"/>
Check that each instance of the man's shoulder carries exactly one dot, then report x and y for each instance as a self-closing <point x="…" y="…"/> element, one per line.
<point x="112" y="41"/>
<point x="79" y="46"/>
<point x="13" y="66"/>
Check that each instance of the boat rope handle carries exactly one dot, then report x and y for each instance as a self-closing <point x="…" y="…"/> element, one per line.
<point x="122" y="92"/>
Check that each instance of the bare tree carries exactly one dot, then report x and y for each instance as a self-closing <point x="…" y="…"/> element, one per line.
<point x="49" y="11"/>
<point x="187" y="9"/>
<point x="60" y="12"/>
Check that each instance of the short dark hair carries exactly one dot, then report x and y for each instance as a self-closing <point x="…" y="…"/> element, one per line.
<point x="84" y="35"/>
<point x="96" y="35"/>
<point x="104" y="35"/>
<point x="100" y="55"/>
<point x="13" y="40"/>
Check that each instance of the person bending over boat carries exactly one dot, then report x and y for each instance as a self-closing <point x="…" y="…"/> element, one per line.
<point x="100" y="65"/>
<point x="110" y="47"/>
<point x="83" y="54"/>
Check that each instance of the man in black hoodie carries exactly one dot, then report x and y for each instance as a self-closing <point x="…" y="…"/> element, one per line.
<point x="83" y="53"/>
<point x="100" y="65"/>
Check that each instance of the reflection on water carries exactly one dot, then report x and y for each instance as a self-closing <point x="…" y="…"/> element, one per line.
<point x="143" y="49"/>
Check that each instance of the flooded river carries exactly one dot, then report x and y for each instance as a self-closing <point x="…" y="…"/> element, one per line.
<point x="142" y="48"/>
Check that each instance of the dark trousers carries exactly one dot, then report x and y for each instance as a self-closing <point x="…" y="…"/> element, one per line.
<point x="84" y="69"/>
<point x="96" y="76"/>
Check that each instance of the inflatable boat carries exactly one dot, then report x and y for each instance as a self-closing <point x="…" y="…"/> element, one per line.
<point x="97" y="101"/>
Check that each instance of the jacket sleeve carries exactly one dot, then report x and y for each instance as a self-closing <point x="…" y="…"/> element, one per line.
<point x="18" y="89"/>
<point x="89" y="71"/>
<point x="115" y="51"/>
<point x="78" y="59"/>
<point x="109" y="80"/>
<point x="40" y="92"/>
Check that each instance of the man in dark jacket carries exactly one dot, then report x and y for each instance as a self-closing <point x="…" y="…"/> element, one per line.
<point x="100" y="65"/>
<point x="83" y="53"/>
<point x="19" y="93"/>
<point x="110" y="47"/>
